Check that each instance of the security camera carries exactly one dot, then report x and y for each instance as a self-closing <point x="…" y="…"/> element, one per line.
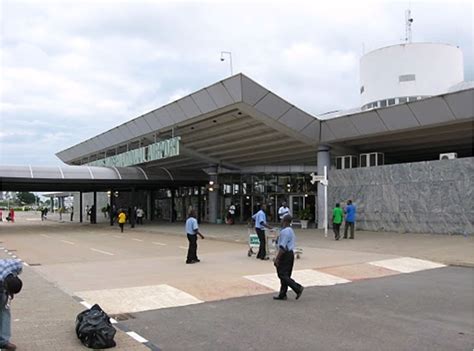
<point x="222" y="59"/>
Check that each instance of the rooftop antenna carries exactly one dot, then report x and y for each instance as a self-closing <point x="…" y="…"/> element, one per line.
<point x="408" y="23"/>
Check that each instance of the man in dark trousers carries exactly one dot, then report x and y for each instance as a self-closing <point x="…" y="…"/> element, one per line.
<point x="337" y="216"/>
<point x="260" y="219"/>
<point x="285" y="259"/>
<point x="350" y="219"/>
<point x="10" y="285"/>
<point x="192" y="231"/>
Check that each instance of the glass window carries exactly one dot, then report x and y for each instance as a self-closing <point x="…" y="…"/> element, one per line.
<point x="383" y="103"/>
<point x="347" y="162"/>
<point x="258" y="184"/>
<point x="338" y="162"/>
<point x="373" y="159"/>
<point x="403" y="100"/>
<point x="272" y="183"/>
<point x="391" y="102"/>
<point x="363" y="160"/>
<point x="406" y="77"/>
<point x="380" y="159"/>
<point x="412" y="98"/>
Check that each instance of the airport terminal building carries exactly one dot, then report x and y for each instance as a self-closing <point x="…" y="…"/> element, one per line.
<point x="404" y="156"/>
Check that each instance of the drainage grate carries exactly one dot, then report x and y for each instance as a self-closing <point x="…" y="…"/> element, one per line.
<point x="12" y="250"/>
<point x="122" y="317"/>
<point x="35" y="264"/>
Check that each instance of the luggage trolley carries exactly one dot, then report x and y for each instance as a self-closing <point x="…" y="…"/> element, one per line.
<point x="272" y="243"/>
<point x="254" y="242"/>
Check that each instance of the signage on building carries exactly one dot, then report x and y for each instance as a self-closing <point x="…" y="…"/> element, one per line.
<point x="157" y="151"/>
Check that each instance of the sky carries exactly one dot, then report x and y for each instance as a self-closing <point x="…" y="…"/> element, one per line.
<point x="70" y="70"/>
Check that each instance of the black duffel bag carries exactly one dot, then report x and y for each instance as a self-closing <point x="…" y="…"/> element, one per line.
<point x="94" y="329"/>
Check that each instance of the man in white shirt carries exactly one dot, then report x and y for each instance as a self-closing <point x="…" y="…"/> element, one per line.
<point x="192" y="231"/>
<point x="283" y="210"/>
<point x="140" y="214"/>
<point x="231" y="213"/>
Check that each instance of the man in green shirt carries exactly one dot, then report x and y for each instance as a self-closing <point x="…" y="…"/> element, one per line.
<point x="337" y="216"/>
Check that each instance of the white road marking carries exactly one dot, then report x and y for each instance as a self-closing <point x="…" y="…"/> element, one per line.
<point x="10" y="253"/>
<point x="68" y="242"/>
<point x="113" y="321"/>
<point x="407" y="264"/>
<point x="137" y="337"/>
<point x="45" y="235"/>
<point x="13" y="256"/>
<point x="137" y="239"/>
<point x="157" y="243"/>
<point x="183" y="247"/>
<point x="138" y="299"/>
<point x="102" y="252"/>
<point x="33" y="219"/>
<point x="26" y="264"/>
<point x="86" y="305"/>
<point x="305" y="277"/>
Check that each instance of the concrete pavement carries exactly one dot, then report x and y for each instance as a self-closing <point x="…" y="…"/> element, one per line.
<point x="424" y="311"/>
<point x="143" y="269"/>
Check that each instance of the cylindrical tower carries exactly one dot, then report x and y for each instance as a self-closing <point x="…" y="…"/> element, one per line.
<point x="406" y="72"/>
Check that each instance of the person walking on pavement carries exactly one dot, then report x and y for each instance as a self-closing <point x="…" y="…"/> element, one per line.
<point x="93" y="215"/>
<point x="192" y="231"/>
<point x="337" y="216"/>
<point x="10" y="285"/>
<point x="122" y="219"/>
<point x="283" y="210"/>
<point x="72" y="213"/>
<point x="87" y="211"/>
<point x="350" y="219"/>
<point x="285" y="259"/>
<point x="140" y="214"/>
<point x="260" y="219"/>
<point x="231" y="213"/>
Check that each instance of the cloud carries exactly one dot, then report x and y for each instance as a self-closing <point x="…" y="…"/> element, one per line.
<point x="71" y="70"/>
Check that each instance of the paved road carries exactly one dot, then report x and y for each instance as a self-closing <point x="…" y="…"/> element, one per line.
<point x="429" y="310"/>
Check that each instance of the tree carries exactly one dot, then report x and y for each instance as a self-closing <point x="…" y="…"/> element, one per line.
<point x="26" y="198"/>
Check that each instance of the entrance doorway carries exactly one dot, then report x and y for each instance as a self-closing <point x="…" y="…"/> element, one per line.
<point x="297" y="203"/>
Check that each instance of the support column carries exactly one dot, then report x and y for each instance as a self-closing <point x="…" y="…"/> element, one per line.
<point x="112" y="204"/>
<point x="148" y="205"/>
<point x="324" y="159"/>
<point x="173" y="210"/>
<point x="80" y="207"/>
<point x="94" y="214"/>
<point x="213" y="198"/>
<point x="132" y="214"/>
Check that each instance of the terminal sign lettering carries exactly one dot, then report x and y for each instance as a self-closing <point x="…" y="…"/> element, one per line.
<point x="162" y="149"/>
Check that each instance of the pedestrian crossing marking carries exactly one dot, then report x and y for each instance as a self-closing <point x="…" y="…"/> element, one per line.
<point x="138" y="299"/>
<point x="407" y="264"/>
<point x="305" y="277"/>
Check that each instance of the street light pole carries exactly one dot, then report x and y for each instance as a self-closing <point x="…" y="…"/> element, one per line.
<point x="230" y="60"/>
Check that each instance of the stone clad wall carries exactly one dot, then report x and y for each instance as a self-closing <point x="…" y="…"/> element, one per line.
<point x="422" y="197"/>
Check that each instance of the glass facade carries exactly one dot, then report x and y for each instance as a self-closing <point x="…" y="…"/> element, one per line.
<point x="245" y="191"/>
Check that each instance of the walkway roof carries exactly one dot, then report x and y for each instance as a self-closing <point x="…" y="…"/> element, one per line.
<point x="84" y="178"/>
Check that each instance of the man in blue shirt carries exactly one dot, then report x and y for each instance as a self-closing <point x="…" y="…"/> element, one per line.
<point x="260" y="219"/>
<point x="10" y="285"/>
<point x="350" y="212"/>
<point x="192" y="231"/>
<point x="285" y="259"/>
